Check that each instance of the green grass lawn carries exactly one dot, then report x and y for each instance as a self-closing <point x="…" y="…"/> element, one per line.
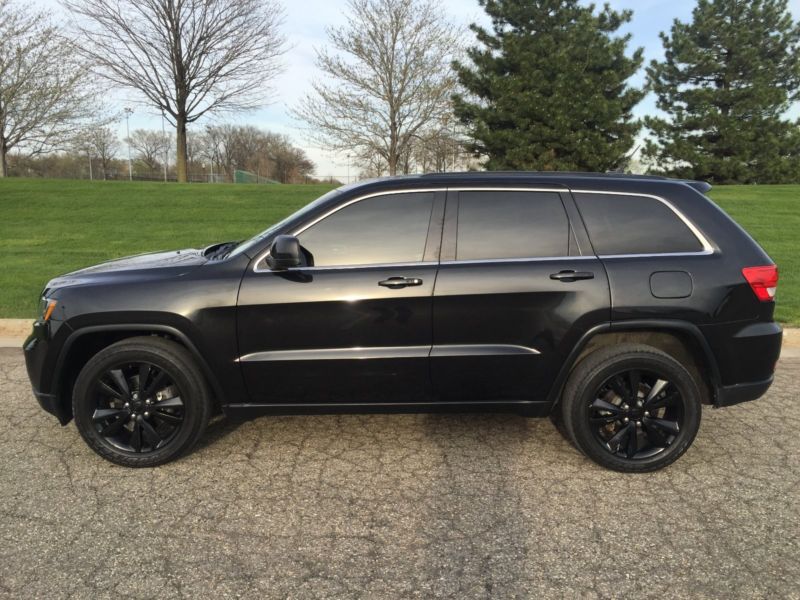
<point x="771" y="214"/>
<point x="49" y="226"/>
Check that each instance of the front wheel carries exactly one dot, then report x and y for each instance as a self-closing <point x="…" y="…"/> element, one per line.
<point x="631" y="408"/>
<point x="141" y="402"/>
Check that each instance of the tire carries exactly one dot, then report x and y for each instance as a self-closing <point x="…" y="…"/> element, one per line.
<point x="146" y="431"/>
<point x="626" y="431"/>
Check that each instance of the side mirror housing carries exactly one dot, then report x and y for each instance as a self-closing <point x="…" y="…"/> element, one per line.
<point x="284" y="253"/>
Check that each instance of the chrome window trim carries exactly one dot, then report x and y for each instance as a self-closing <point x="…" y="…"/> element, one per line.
<point x="389" y="352"/>
<point x="297" y="232"/>
<point x="480" y="261"/>
<point x="707" y="247"/>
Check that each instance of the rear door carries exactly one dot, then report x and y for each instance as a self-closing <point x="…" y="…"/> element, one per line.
<point x="517" y="286"/>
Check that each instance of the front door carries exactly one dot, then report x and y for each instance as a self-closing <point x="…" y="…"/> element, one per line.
<point x="514" y="293"/>
<point x="356" y="326"/>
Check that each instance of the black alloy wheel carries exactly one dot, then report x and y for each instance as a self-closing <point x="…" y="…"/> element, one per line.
<point x="138" y="407"/>
<point x="141" y="402"/>
<point x="631" y="407"/>
<point x="636" y="414"/>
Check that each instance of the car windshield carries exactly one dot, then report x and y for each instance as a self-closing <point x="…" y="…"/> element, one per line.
<point x="256" y="239"/>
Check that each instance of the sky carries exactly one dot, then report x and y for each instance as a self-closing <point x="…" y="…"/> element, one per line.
<point x="305" y="28"/>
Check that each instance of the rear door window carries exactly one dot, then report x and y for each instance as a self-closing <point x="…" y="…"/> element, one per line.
<point x="621" y="224"/>
<point x="511" y="224"/>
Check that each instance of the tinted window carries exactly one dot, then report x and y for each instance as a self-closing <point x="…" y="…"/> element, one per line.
<point x="384" y="229"/>
<point x="511" y="225"/>
<point x="634" y="225"/>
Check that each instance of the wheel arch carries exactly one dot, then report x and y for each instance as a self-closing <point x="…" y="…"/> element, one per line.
<point x="87" y="341"/>
<point x="680" y="339"/>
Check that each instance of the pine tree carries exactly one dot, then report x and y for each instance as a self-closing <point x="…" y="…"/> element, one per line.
<point x="547" y="87"/>
<point x="726" y="81"/>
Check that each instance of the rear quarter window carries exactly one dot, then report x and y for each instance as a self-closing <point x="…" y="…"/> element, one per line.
<point x="622" y="224"/>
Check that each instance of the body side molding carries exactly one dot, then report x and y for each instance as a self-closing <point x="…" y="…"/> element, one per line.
<point x="379" y="352"/>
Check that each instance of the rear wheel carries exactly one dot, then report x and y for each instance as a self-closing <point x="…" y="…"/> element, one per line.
<point x="141" y="402"/>
<point x="631" y="408"/>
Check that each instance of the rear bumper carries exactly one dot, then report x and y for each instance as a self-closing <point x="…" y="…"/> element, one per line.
<point x="746" y="355"/>
<point x="742" y="392"/>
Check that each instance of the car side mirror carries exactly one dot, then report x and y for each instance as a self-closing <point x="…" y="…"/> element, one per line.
<point x="284" y="253"/>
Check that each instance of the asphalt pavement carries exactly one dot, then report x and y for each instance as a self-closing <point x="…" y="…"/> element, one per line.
<point x="400" y="506"/>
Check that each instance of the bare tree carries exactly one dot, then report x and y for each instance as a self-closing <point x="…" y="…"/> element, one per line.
<point x="104" y="143"/>
<point x="97" y="142"/>
<point x="44" y="92"/>
<point x="230" y="147"/>
<point x="186" y="58"/>
<point x="150" y="146"/>
<point x="390" y="77"/>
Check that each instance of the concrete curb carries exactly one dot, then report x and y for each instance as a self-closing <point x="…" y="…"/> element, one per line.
<point x="14" y="331"/>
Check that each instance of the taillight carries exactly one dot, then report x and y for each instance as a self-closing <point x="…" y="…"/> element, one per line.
<point x="763" y="281"/>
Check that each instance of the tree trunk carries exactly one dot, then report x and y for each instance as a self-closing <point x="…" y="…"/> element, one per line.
<point x="3" y="159"/>
<point x="180" y="156"/>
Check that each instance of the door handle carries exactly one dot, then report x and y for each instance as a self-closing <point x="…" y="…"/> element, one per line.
<point x="570" y="275"/>
<point x="396" y="283"/>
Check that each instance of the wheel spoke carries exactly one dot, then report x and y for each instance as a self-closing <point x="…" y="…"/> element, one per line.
<point x="657" y="388"/>
<point x="615" y="442"/>
<point x="662" y="424"/>
<point x="119" y="380"/>
<point x="634" y="379"/>
<point x="633" y="441"/>
<point x="669" y="399"/>
<point x="136" y="437"/>
<point x="150" y="434"/>
<point x="154" y="385"/>
<point x="600" y="405"/>
<point x="167" y="418"/>
<point x="113" y="428"/>
<point x="144" y="374"/>
<point x="175" y="402"/>
<point x="654" y="435"/>
<point x="618" y="386"/>
<point x="101" y="414"/>
<point x="107" y="389"/>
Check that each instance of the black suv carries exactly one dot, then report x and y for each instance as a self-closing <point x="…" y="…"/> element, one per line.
<point x="619" y="304"/>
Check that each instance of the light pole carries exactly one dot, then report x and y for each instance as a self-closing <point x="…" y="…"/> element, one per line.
<point x="166" y="146"/>
<point x="348" y="168"/>
<point x="128" y="113"/>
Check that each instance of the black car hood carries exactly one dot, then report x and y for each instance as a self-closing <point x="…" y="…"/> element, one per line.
<point x="140" y="262"/>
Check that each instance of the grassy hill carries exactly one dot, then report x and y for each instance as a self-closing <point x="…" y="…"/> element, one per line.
<point x="49" y="226"/>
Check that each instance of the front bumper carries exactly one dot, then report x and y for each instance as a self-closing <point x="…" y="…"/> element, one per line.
<point x="40" y="361"/>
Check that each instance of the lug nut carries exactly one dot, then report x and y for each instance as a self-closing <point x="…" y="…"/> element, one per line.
<point x="146" y="414"/>
<point x="625" y="407"/>
<point x="625" y="420"/>
<point x="639" y="403"/>
<point x="646" y="413"/>
<point x="127" y="405"/>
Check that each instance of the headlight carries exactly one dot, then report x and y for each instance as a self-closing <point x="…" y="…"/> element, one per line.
<point x="46" y="308"/>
